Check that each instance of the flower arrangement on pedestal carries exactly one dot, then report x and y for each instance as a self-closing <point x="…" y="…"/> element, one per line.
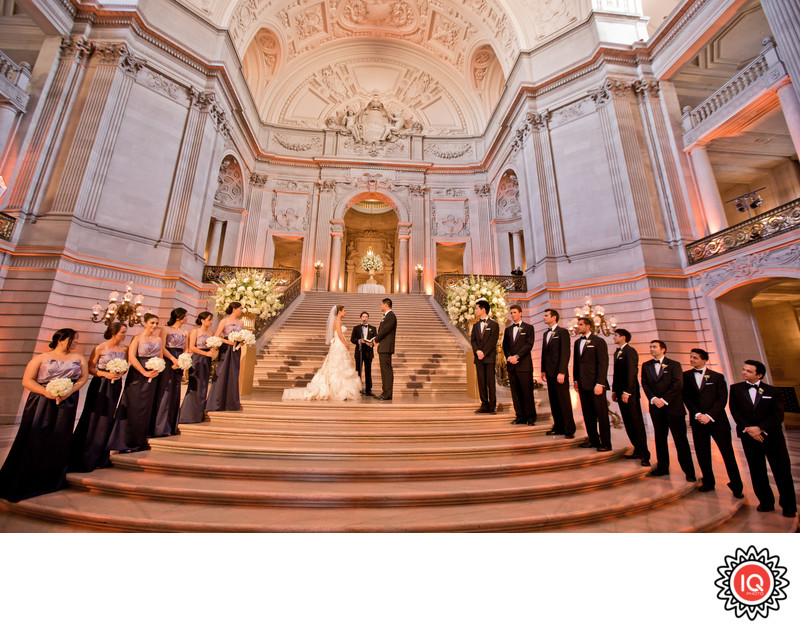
<point x="372" y="262"/>
<point x="461" y="300"/>
<point x="258" y="295"/>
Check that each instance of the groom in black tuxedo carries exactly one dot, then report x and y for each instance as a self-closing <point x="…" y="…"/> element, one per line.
<point x="363" y="350"/>
<point x="384" y="344"/>
<point x="484" y="336"/>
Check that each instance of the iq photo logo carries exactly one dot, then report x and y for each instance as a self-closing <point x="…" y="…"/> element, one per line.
<point x="751" y="583"/>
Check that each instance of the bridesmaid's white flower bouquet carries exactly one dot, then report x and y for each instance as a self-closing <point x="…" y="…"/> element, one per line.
<point x="213" y="342"/>
<point x="155" y="363"/>
<point x="118" y="366"/>
<point x="461" y="300"/>
<point x="185" y="361"/>
<point x="243" y="337"/>
<point x="372" y="262"/>
<point x="258" y="295"/>
<point x="59" y="387"/>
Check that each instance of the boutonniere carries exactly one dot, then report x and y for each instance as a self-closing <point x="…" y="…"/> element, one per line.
<point x="761" y="391"/>
<point x="705" y="376"/>
<point x="619" y="354"/>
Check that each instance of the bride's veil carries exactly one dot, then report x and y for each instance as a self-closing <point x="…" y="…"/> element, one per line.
<point x="329" y="325"/>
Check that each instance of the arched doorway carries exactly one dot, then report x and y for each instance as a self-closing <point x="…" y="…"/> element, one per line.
<point x="761" y="320"/>
<point x="370" y="224"/>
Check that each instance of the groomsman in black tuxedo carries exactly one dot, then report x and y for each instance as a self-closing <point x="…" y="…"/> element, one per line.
<point x="625" y="391"/>
<point x="758" y="416"/>
<point x="384" y="344"/>
<point x="555" y="371"/>
<point x="705" y="395"/>
<point x="590" y="372"/>
<point x="662" y="381"/>
<point x="484" y="336"/>
<point x="363" y="350"/>
<point x="517" y="345"/>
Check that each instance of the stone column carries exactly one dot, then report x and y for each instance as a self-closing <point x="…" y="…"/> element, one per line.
<point x="790" y="104"/>
<point x="546" y="184"/>
<point x="420" y="248"/>
<point x="516" y="238"/>
<point x="783" y="17"/>
<point x="337" y="232"/>
<point x="404" y="233"/>
<point x="213" y="246"/>
<point x="249" y="256"/>
<point x="321" y="239"/>
<point x="709" y="193"/>
<point x="8" y="116"/>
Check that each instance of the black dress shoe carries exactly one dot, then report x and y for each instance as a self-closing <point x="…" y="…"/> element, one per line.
<point x="691" y="478"/>
<point x="532" y="422"/>
<point x="552" y="432"/>
<point x="481" y="411"/>
<point x="383" y="398"/>
<point x="491" y="412"/>
<point x="569" y="435"/>
<point x="764" y="509"/>
<point x="789" y="513"/>
<point x="518" y="421"/>
<point x="633" y="456"/>
<point x="645" y="463"/>
<point x="604" y="448"/>
<point x="705" y="489"/>
<point x="739" y="495"/>
<point x="655" y="473"/>
<point x="588" y="445"/>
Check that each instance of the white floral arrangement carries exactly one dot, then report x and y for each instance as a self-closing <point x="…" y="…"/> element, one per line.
<point x="185" y="361"/>
<point x="118" y="366"/>
<point x="372" y="262"/>
<point x="243" y="337"/>
<point x="258" y="295"/>
<point x="155" y="363"/>
<point x="59" y="387"/>
<point x="214" y="342"/>
<point x="462" y="298"/>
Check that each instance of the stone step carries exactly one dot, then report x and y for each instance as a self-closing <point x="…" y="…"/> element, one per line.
<point x="352" y="448"/>
<point x="345" y="494"/>
<point x="322" y="471"/>
<point x="373" y="416"/>
<point x="120" y="513"/>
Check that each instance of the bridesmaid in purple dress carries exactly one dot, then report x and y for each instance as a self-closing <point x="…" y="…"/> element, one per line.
<point x="168" y="398"/>
<point x="224" y="393"/>
<point x="90" y="440"/>
<point x="37" y="462"/>
<point x="194" y="403"/>
<point x="136" y="408"/>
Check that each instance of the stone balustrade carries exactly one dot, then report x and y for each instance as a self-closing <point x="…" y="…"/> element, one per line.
<point x="764" y="226"/>
<point x="14" y="81"/>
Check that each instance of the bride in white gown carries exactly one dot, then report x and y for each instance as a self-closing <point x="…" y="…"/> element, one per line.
<point x="336" y="380"/>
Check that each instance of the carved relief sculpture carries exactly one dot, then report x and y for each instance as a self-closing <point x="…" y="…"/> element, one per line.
<point x="230" y="192"/>
<point x="508" y="196"/>
<point x="373" y="129"/>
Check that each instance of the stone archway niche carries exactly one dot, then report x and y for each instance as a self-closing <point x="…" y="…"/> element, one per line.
<point x="370" y="223"/>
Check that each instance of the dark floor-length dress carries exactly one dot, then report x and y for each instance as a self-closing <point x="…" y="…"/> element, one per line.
<point x="168" y="397"/>
<point x="224" y="392"/>
<point x="136" y="408"/>
<point x="37" y="462"/>
<point x="90" y="440"/>
<point x="194" y="403"/>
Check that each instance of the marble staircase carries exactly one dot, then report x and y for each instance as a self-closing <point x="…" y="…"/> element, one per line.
<point x="428" y="360"/>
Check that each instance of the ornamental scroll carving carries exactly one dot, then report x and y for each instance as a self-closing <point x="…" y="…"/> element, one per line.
<point x="448" y="152"/>
<point x="306" y="144"/>
<point x="508" y="196"/>
<point x="450" y="218"/>
<point x="751" y="266"/>
<point x="373" y="129"/>
<point x="290" y="211"/>
<point x="230" y="191"/>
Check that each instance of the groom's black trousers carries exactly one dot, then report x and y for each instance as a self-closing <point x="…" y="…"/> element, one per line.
<point x="387" y="374"/>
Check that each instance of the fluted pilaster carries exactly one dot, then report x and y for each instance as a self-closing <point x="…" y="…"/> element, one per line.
<point x="783" y="17"/>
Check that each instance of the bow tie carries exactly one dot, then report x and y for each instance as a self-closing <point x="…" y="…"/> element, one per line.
<point x="699" y="371"/>
<point x="516" y="324"/>
<point x="484" y="320"/>
<point x="752" y="385"/>
<point x="586" y="337"/>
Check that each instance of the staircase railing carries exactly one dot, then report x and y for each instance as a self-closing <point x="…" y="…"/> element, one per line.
<point x="764" y="226"/>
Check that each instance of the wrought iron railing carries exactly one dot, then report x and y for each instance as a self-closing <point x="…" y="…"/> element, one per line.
<point x="512" y="284"/>
<point x="764" y="226"/>
<point x="289" y="283"/>
<point x="7" y="223"/>
<point x="285" y="275"/>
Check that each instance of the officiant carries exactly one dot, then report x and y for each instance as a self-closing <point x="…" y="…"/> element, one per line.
<point x="361" y="338"/>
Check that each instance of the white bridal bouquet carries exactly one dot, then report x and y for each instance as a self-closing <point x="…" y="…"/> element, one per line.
<point x="243" y="337"/>
<point x="461" y="300"/>
<point x="59" y="387"/>
<point x="185" y="361"/>
<point x="372" y="262"/>
<point x="118" y="366"/>
<point x="214" y="342"/>
<point x="155" y="363"/>
<point x="258" y="295"/>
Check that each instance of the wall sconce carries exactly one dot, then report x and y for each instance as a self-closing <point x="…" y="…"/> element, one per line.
<point x="418" y="269"/>
<point x="129" y="311"/>
<point x="317" y="269"/>
<point x="597" y="314"/>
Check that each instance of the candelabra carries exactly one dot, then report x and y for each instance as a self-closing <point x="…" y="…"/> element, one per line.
<point x="125" y="312"/>
<point x="317" y="269"/>
<point x="597" y="314"/>
<point x="418" y="269"/>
